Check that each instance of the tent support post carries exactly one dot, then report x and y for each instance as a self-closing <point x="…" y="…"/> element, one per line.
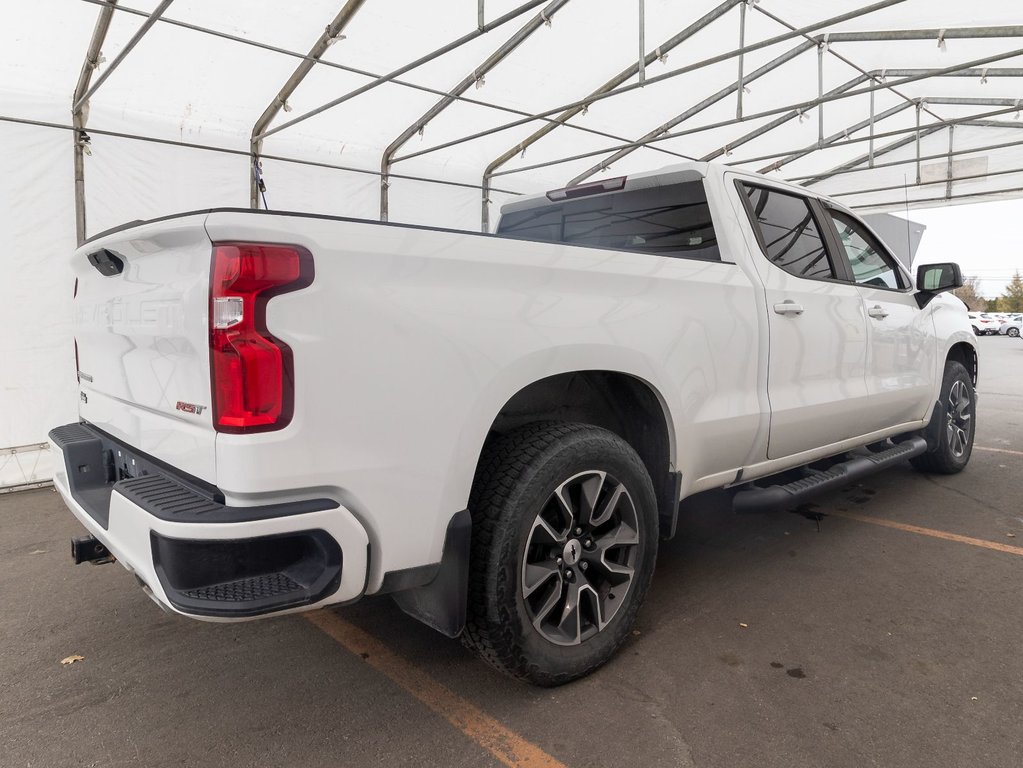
<point x="767" y="43"/>
<point x="83" y="99"/>
<point x="692" y="112"/>
<point x="742" y="44"/>
<point x="581" y="106"/>
<point x="919" y="107"/>
<point x="641" y="59"/>
<point x="473" y="78"/>
<point x="458" y="43"/>
<point x="951" y="138"/>
<point x="831" y="96"/>
<point x="79" y="116"/>
<point x="843" y="169"/>
<point x="871" y="150"/>
<point x="830" y="140"/>
<point x="820" y="93"/>
<point x="330" y="35"/>
<point x="904" y="141"/>
<point x="789" y="155"/>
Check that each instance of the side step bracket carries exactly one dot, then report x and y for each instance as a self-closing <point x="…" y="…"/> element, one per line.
<point x="776" y="497"/>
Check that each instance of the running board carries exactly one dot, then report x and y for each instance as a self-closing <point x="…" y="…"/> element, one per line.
<point x="776" y="497"/>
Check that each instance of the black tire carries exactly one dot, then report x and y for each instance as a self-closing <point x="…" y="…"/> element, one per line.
<point x="948" y="449"/>
<point x="977" y="331"/>
<point x="1014" y="332"/>
<point x="518" y="476"/>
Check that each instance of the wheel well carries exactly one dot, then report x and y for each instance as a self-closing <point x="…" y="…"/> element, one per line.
<point x="618" y="402"/>
<point x="966" y="354"/>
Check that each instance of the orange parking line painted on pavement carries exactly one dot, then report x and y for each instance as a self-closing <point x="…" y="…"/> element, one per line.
<point x="997" y="546"/>
<point x="997" y="450"/>
<point x="503" y="743"/>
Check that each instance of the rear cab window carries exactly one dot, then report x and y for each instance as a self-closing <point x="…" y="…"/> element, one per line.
<point x="672" y="220"/>
<point x="787" y="231"/>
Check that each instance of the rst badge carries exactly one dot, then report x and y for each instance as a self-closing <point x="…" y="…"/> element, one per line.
<point x="190" y="408"/>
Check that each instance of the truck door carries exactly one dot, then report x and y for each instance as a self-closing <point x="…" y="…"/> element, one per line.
<point x="901" y="344"/>
<point x="818" y="336"/>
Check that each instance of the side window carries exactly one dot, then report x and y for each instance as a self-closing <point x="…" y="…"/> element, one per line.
<point x="788" y="232"/>
<point x="869" y="263"/>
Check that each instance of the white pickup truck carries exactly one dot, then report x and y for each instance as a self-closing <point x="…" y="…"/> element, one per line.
<point x="283" y="411"/>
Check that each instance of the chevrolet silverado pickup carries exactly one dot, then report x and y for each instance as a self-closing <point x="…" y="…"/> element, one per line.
<point x="280" y="411"/>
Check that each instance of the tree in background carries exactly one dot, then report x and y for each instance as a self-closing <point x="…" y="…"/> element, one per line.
<point x="1012" y="298"/>
<point x="970" y="296"/>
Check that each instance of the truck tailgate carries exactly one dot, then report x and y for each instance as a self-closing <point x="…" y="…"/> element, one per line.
<point x="141" y="332"/>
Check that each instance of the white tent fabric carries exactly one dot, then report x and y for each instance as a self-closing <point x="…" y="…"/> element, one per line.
<point x="169" y="126"/>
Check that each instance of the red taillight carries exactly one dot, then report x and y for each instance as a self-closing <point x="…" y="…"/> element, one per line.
<point x="251" y="371"/>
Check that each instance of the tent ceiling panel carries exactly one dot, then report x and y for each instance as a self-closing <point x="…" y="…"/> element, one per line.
<point x="194" y="85"/>
<point x="914" y="14"/>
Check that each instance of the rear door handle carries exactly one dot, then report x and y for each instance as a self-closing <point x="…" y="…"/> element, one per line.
<point x="788" y="307"/>
<point x="877" y="311"/>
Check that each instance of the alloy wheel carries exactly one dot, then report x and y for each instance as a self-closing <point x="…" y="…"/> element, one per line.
<point x="958" y="422"/>
<point x="580" y="557"/>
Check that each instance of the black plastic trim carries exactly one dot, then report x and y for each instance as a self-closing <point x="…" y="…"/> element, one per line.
<point x="784" y="495"/>
<point x="247" y="577"/>
<point x="441" y="604"/>
<point x="96" y="465"/>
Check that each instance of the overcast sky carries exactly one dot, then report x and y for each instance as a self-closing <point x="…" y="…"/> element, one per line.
<point x="986" y="239"/>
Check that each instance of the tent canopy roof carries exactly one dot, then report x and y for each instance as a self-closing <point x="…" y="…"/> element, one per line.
<point x="897" y="101"/>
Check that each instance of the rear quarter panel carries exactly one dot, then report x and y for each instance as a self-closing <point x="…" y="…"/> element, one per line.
<point x="409" y="342"/>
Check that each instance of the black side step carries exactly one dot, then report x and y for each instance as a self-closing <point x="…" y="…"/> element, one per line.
<point x="776" y="497"/>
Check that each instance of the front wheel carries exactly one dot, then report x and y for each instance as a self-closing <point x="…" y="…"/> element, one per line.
<point x="1014" y="332"/>
<point x="564" y="544"/>
<point x="953" y="424"/>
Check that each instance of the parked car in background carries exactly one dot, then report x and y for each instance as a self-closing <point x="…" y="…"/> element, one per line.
<point x="983" y="323"/>
<point x="1011" y="326"/>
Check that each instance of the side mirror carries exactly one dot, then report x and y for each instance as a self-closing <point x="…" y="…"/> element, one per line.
<point x="938" y="278"/>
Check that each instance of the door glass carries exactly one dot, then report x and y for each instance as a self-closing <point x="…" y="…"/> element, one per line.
<point x="788" y="232"/>
<point x="870" y="266"/>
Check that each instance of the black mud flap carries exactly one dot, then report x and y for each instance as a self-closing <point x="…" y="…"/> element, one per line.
<point x="441" y="603"/>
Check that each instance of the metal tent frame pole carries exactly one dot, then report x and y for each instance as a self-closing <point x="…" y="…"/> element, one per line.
<point x="893" y="187"/>
<point x="842" y="170"/>
<point x="919" y="200"/>
<point x="329" y="36"/>
<point x="803" y="106"/>
<point x="800" y="32"/>
<point x="473" y="78"/>
<point x="241" y="153"/>
<point x="943" y="123"/>
<point x="622" y="77"/>
<point x="694" y="110"/>
<point x="83" y="99"/>
<point x="84" y="91"/>
<point x="80" y="116"/>
<point x="389" y="77"/>
<point x="353" y="70"/>
<point x="874" y="118"/>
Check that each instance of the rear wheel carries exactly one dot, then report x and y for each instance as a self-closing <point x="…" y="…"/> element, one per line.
<point x="1014" y="332"/>
<point x="564" y="544"/>
<point x="953" y="424"/>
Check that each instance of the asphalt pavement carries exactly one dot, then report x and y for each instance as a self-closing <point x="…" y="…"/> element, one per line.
<point x="880" y="627"/>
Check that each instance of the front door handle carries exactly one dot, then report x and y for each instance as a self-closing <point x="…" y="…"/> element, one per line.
<point x="877" y="311"/>
<point x="788" y="307"/>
